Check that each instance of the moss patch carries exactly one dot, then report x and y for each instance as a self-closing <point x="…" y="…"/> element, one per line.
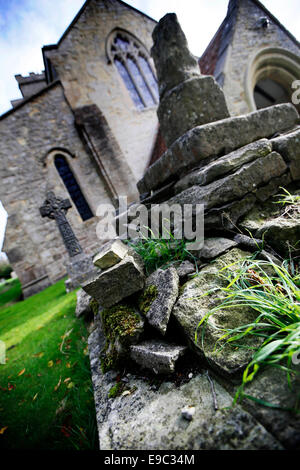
<point x="94" y="306"/>
<point x="116" y="390"/>
<point x="147" y="298"/>
<point x="119" y="325"/>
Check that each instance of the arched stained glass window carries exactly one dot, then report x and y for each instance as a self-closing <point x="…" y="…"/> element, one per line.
<point x="132" y="61"/>
<point x="72" y="186"/>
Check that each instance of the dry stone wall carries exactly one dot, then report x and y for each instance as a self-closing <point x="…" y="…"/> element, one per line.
<point x="163" y="376"/>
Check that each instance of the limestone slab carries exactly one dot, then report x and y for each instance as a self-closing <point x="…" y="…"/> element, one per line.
<point x="116" y="283"/>
<point x="110" y="254"/>
<point x="224" y="165"/>
<point x="83" y="303"/>
<point x="158" y="311"/>
<point x="217" y="139"/>
<point x="288" y="146"/>
<point x="234" y="186"/>
<point x="198" y="297"/>
<point x="192" y="103"/>
<point x="158" y="356"/>
<point x="215" y="246"/>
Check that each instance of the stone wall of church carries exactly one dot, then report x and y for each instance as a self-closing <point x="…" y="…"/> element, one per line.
<point x="248" y="39"/>
<point x="27" y="171"/>
<point x="82" y="65"/>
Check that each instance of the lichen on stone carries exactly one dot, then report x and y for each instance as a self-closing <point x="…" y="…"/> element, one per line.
<point x="147" y="298"/>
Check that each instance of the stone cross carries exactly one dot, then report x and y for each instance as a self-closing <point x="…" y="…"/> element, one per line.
<point x="56" y="208"/>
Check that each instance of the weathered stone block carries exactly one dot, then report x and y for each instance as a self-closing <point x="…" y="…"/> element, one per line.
<point x="198" y="297"/>
<point x="234" y="186"/>
<point x="228" y="215"/>
<point x="282" y="233"/>
<point x="185" y="268"/>
<point x="117" y="282"/>
<point x="110" y="254"/>
<point x="217" y="139"/>
<point x="158" y="356"/>
<point x="214" y="247"/>
<point x="289" y="147"/>
<point x="192" y="103"/>
<point x="83" y="303"/>
<point x="159" y="297"/>
<point x="225" y="165"/>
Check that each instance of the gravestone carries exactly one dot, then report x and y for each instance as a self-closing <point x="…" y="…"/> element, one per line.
<point x="80" y="266"/>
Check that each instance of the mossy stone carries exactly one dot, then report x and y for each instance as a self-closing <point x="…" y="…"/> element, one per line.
<point x="147" y="298"/>
<point x="122" y="326"/>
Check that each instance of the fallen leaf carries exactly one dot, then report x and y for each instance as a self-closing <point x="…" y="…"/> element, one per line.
<point x="58" y="361"/>
<point x="67" y="380"/>
<point x="10" y="386"/>
<point x="68" y="365"/>
<point x="40" y="354"/>
<point x="35" y="397"/>
<point x="71" y="385"/>
<point x="58" y="385"/>
<point x="50" y="364"/>
<point x="21" y="372"/>
<point x="85" y="351"/>
<point x="2" y="430"/>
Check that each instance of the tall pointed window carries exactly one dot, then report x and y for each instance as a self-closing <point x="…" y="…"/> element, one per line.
<point x="72" y="186"/>
<point x="132" y="61"/>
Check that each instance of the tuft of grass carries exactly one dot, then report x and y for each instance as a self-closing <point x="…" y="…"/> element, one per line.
<point x="273" y="291"/>
<point x="46" y="397"/>
<point x="286" y="198"/>
<point x="158" y="252"/>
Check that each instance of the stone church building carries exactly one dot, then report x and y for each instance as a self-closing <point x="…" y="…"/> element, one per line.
<point x="86" y="128"/>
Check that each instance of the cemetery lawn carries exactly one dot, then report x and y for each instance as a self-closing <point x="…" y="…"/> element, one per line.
<point x="46" y="397"/>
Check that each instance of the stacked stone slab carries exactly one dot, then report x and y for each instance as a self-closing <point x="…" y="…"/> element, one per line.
<point x="227" y="164"/>
<point x="122" y="277"/>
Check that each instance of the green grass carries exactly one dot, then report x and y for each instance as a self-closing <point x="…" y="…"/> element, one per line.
<point x="10" y="291"/>
<point x="286" y="198"/>
<point x="46" y="398"/>
<point x="273" y="291"/>
<point x="158" y="252"/>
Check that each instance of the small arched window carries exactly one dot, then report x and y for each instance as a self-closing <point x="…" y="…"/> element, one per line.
<point x="132" y="61"/>
<point x="268" y="92"/>
<point x="72" y="186"/>
<point x="269" y="77"/>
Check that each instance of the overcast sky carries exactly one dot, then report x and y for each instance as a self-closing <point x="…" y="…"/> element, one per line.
<point x="27" y="25"/>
